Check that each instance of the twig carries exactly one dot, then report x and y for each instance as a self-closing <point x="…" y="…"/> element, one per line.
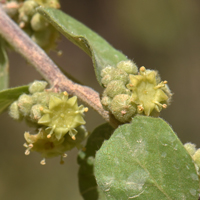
<point x="47" y="68"/>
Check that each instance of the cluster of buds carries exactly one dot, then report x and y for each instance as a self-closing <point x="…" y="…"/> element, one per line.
<point x="129" y="92"/>
<point x="40" y="31"/>
<point x="58" y="118"/>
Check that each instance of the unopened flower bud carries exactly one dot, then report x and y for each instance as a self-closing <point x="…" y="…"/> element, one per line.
<point x="37" y="86"/>
<point x="38" y="23"/>
<point x="123" y="108"/>
<point x="128" y="66"/>
<point x="14" y="111"/>
<point x="25" y="103"/>
<point x="116" y="87"/>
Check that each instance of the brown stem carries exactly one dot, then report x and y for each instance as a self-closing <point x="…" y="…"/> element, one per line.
<point x="47" y="68"/>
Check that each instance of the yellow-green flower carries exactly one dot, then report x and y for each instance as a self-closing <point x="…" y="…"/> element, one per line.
<point x="148" y="93"/>
<point x="62" y="115"/>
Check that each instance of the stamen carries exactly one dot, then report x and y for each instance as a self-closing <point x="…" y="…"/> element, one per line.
<point x="160" y="85"/>
<point x="43" y="161"/>
<point x="142" y="69"/>
<point x="73" y="137"/>
<point x="131" y="85"/>
<point x="157" y="103"/>
<point x="140" y="108"/>
<point x="164" y="105"/>
<point x="51" y="132"/>
<point x="61" y="158"/>
<point x="27" y="152"/>
<point x="25" y="145"/>
<point x="86" y="109"/>
<point x="64" y="155"/>
<point x="165" y="82"/>
<point x="65" y="93"/>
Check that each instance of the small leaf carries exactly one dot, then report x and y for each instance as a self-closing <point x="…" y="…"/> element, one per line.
<point x="10" y="95"/>
<point x="102" y="52"/>
<point x="146" y="160"/>
<point x="87" y="182"/>
<point x="4" y="66"/>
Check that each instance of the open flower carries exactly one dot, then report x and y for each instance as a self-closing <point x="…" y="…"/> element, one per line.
<point x="62" y="115"/>
<point x="148" y="92"/>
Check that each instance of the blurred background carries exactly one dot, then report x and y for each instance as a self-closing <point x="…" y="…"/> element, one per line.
<point x="161" y="35"/>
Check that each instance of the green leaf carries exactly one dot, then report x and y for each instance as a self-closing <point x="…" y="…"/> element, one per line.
<point x="10" y="95"/>
<point x="146" y="160"/>
<point x="102" y="52"/>
<point x="87" y="182"/>
<point x="4" y="66"/>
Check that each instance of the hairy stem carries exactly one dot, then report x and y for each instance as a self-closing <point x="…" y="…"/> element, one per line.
<point x="47" y="68"/>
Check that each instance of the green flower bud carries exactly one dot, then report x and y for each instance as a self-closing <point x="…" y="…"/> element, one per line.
<point x="147" y="93"/>
<point x="128" y="66"/>
<point x="106" y="79"/>
<point x="41" y="98"/>
<point x="123" y="108"/>
<point x="37" y="86"/>
<point x="36" y="112"/>
<point x="106" y="101"/>
<point x="191" y="148"/>
<point x="14" y="111"/>
<point x="26" y="11"/>
<point x="25" y="103"/>
<point x="117" y="74"/>
<point x="116" y="87"/>
<point x="28" y="7"/>
<point x="38" y="23"/>
<point x="107" y="70"/>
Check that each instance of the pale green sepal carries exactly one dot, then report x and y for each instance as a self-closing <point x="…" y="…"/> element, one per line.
<point x="44" y="119"/>
<point x="79" y="119"/>
<point x="61" y="130"/>
<point x="72" y="101"/>
<point x="54" y="101"/>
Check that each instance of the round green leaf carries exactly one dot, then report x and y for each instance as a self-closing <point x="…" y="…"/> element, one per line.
<point x="146" y="160"/>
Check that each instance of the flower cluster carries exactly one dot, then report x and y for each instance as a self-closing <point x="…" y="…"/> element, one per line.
<point x="58" y="118"/>
<point x="129" y="92"/>
<point x="40" y="31"/>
